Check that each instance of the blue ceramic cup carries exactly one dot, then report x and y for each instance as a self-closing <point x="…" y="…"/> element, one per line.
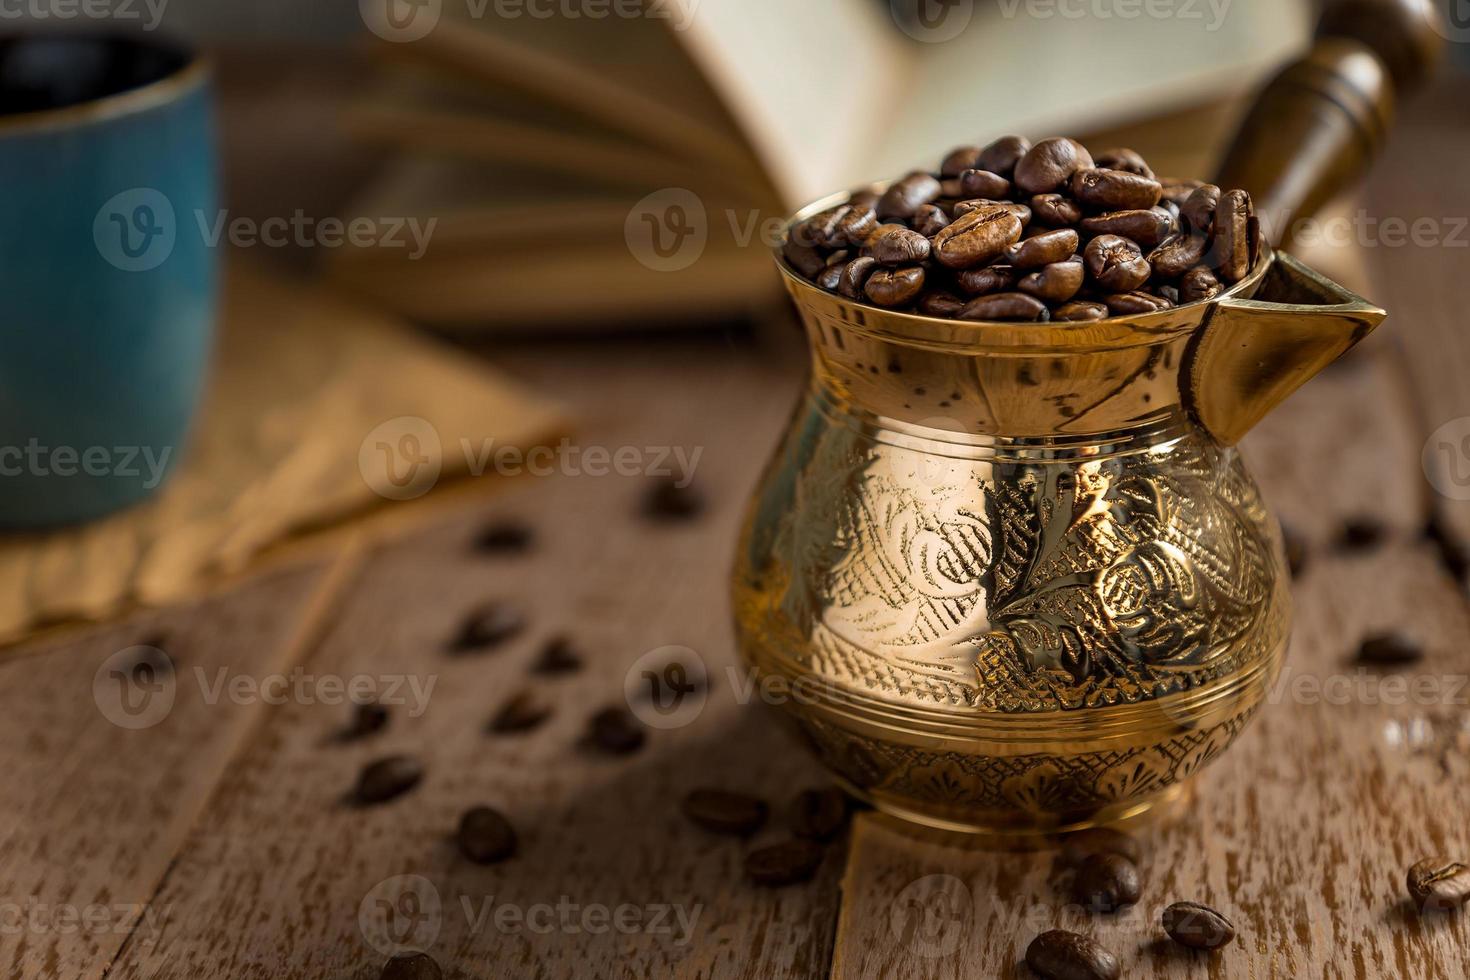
<point x="107" y="286"/>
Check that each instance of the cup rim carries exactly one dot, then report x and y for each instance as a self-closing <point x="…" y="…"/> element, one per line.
<point x="917" y="328"/>
<point x="195" y="70"/>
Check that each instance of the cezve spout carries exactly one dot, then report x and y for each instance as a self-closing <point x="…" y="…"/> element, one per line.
<point x="1249" y="354"/>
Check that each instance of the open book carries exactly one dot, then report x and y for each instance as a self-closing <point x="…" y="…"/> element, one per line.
<point x="587" y="169"/>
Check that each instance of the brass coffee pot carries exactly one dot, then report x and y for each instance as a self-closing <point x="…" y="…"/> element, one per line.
<point x="1016" y="576"/>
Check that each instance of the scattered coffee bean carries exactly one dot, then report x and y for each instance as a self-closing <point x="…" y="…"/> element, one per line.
<point x="1107" y="882"/>
<point x="983" y="183"/>
<point x="894" y="287"/>
<point x="1002" y="156"/>
<point x="485" y="836"/>
<point x="521" y="713"/>
<point x="558" y="656"/>
<point x="855" y="226"/>
<point x="387" y="778"/>
<point x="783" y="864"/>
<point x="1115" y="190"/>
<point x="489" y="626"/>
<point x="1080" y="310"/>
<point x="1055" y="283"/>
<point x="669" y="500"/>
<point x="1147" y="226"/>
<point x="1056" y="211"/>
<point x="615" y="731"/>
<point x="1296" y="550"/>
<point x="1083" y="844"/>
<point x="1197" y="926"/>
<point x="960" y="159"/>
<point x="368" y="718"/>
<point x="906" y="196"/>
<point x="803" y="258"/>
<point x="723" y="812"/>
<point x="1437" y="884"/>
<point x="1050" y="164"/>
<point x="504" y="538"/>
<point x="929" y="221"/>
<point x="1116" y="264"/>
<point x="1045" y="248"/>
<point x="1122" y="158"/>
<point x="1176" y="192"/>
<point x="855" y="276"/>
<point x="1361" y="533"/>
<point x="1130" y="304"/>
<point x="1178" y="254"/>
<point x="411" y="966"/>
<point x="1198" y="209"/>
<point x="830" y="278"/>
<point x="895" y="245"/>
<point x="1390" y="650"/>
<point x="937" y="303"/>
<point x="987" y="279"/>
<point x="1197" y="284"/>
<point x="1231" y="245"/>
<point x="1005" y="306"/>
<point x="819" y="814"/>
<point x="977" y="236"/>
<point x="1062" y="955"/>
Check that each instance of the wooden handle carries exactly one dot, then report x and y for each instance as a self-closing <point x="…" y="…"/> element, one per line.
<point x="1316" y="126"/>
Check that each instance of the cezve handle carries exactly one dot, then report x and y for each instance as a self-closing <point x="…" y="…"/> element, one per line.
<point x="1316" y="126"/>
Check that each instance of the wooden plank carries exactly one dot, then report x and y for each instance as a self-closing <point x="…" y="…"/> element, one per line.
<point x="99" y="796"/>
<point x="271" y="881"/>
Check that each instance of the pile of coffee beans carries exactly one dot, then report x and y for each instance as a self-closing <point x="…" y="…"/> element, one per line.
<point x="1018" y="232"/>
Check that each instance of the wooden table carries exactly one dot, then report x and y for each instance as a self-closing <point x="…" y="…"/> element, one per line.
<point x="216" y="844"/>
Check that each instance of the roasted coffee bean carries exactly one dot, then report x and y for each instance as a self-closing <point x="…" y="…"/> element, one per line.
<point x="1106" y="883"/>
<point x="368" y="718"/>
<point x="1198" y="209"/>
<point x="1393" y="649"/>
<point x="839" y="257"/>
<point x="1043" y="248"/>
<point x="783" y="864"/>
<point x="930" y="220"/>
<point x="803" y="258"/>
<point x="1083" y="844"/>
<point x="983" y="183"/>
<point x="671" y="500"/>
<point x="977" y="237"/>
<point x="1197" y="926"/>
<point x="1438" y="884"/>
<point x="411" y="966"/>
<point x="1061" y="955"/>
<point x="489" y="626"/>
<point x="615" y="731"/>
<point x="1177" y="254"/>
<point x="1056" y="211"/>
<point x="521" y="713"/>
<point x="819" y="814"/>
<point x="936" y="302"/>
<point x="895" y="287"/>
<point x="1198" y="284"/>
<point x="960" y="159"/>
<point x="857" y="225"/>
<point x="558" y="656"/>
<point x="864" y="198"/>
<point x="1176" y="192"/>
<point x="1169" y="293"/>
<point x="1231" y="244"/>
<point x="726" y="813"/>
<point x="1002" y="156"/>
<point x="949" y="189"/>
<point x="1050" y="164"/>
<point x="1131" y="304"/>
<point x="1124" y="159"/>
<point x="895" y="245"/>
<point x="1361" y="533"/>
<point x="504" y="538"/>
<point x="1055" y="283"/>
<point x="1006" y="307"/>
<point x="1295" y="547"/>
<point x="908" y="195"/>
<point x="387" y="778"/>
<point x="994" y="278"/>
<point x="1079" y="310"/>
<point x="829" y="278"/>
<point x="485" y="836"/>
<point x="855" y="276"/>
<point x="1146" y="226"/>
<point x="1021" y="211"/>
<point x="1114" y="190"/>
<point x="1116" y="264"/>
